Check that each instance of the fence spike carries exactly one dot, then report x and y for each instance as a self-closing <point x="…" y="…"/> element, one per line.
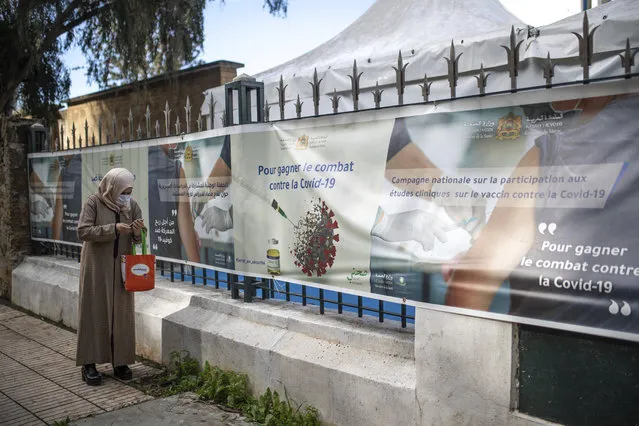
<point x="335" y="101"/>
<point x="355" y="85"/>
<point x="482" y="79"/>
<point x="62" y="133"/>
<point x="167" y="119"/>
<point x="377" y="95"/>
<point x="139" y="131"/>
<point x="212" y="103"/>
<point x="157" y="128"/>
<point x="199" y="122"/>
<point x="400" y="78"/>
<point x="68" y="146"/>
<point x="177" y="125"/>
<point x="223" y="118"/>
<point x="549" y="70"/>
<point x="267" y="112"/>
<point x="122" y="134"/>
<point x="586" y="47"/>
<point x="513" y="58"/>
<point x="92" y="139"/>
<point x="425" y="88"/>
<point x="73" y="134"/>
<point x="315" y="84"/>
<point x="79" y="141"/>
<point x="100" y="130"/>
<point x="281" y="93"/>
<point x="115" y="128"/>
<point x="187" y="113"/>
<point x="298" y="107"/>
<point x="130" y="124"/>
<point x="86" y="133"/>
<point x="628" y="59"/>
<point x="147" y="118"/>
<point x="453" y="69"/>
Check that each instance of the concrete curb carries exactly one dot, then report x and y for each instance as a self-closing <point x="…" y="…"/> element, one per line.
<point x="352" y="370"/>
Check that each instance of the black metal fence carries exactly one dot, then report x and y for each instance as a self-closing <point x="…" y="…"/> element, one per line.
<point x="248" y="288"/>
<point x="131" y="128"/>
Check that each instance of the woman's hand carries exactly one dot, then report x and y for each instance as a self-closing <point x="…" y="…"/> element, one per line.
<point x="137" y="226"/>
<point x="123" y="228"/>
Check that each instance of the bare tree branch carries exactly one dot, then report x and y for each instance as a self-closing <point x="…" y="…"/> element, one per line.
<point x="83" y="18"/>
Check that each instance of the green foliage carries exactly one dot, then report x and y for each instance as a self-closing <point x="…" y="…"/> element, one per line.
<point x="232" y="389"/>
<point x="122" y="40"/>
<point x="270" y="410"/>
<point x="134" y="40"/>
<point x="65" y="422"/>
<point x="184" y="373"/>
<point x="224" y="387"/>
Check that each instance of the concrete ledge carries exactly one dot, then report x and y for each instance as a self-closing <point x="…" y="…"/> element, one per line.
<point x="48" y="287"/>
<point x="348" y="384"/>
<point x="353" y="370"/>
<point x="457" y="370"/>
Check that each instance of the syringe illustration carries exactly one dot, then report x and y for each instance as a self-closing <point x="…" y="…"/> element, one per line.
<point x="278" y="209"/>
<point x="263" y="194"/>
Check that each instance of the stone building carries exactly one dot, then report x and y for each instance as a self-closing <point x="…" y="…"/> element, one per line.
<point x="154" y="92"/>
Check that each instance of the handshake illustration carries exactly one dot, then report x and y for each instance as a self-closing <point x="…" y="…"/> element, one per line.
<point x="424" y="227"/>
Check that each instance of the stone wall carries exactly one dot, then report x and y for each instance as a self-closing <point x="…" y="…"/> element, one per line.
<point x="135" y="97"/>
<point x="14" y="199"/>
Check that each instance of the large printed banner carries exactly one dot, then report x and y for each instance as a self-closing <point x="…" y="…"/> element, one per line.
<point x="524" y="212"/>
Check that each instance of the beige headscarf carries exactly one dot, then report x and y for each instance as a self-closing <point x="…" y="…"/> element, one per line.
<point x="112" y="185"/>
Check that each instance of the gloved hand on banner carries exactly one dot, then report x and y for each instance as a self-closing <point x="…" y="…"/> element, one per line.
<point x="468" y="213"/>
<point x="216" y="218"/>
<point x="414" y="225"/>
<point x="41" y="211"/>
<point x="199" y="203"/>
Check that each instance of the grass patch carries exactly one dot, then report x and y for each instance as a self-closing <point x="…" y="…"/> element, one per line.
<point x="229" y="389"/>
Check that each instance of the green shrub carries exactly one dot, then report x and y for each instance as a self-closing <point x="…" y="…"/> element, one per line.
<point x="270" y="410"/>
<point x="224" y="387"/>
<point x="184" y="373"/>
<point x="232" y="389"/>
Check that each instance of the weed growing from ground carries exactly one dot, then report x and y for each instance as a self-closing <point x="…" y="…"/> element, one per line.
<point x="229" y="389"/>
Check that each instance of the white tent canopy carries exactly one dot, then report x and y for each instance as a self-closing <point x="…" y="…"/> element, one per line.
<point x="390" y="25"/>
<point x="423" y="30"/>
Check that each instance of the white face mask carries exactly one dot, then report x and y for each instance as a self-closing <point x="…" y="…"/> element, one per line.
<point x="124" y="200"/>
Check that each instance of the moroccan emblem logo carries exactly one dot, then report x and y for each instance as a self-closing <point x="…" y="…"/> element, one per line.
<point x="302" y="142"/>
<point x="509" y="127"/>
<point x="188" y="153"/>
<point x="111" y="160"/>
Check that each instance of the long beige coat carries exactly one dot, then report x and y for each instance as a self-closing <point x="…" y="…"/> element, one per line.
<point x="106" y="331"/>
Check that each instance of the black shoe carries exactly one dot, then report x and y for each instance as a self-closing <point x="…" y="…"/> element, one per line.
<point x="91" y="375"/>
<point x="122" y="372"/>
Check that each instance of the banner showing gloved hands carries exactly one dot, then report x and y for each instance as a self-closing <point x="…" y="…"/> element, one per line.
<point x="189" y="201"/>
<point x="521" y="212"/>
<point x="55" y="193"/>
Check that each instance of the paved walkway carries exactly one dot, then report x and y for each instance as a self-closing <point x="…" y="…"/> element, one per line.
<point x="182" y="409"/>
<point x="39" y="382"/>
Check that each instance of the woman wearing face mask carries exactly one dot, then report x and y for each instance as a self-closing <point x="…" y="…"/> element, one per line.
<point x="109" y="223"/>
